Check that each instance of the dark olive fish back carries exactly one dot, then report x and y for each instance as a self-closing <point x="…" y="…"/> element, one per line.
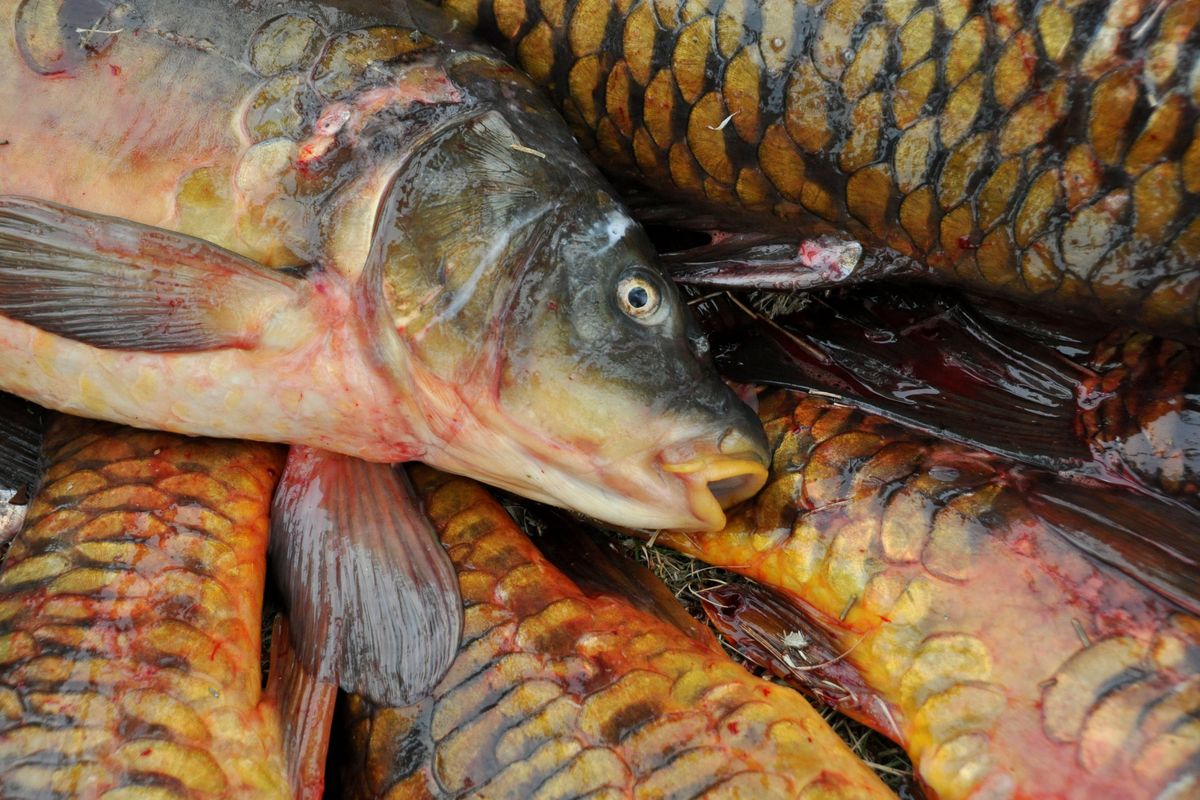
<point x="1042" y="151"/>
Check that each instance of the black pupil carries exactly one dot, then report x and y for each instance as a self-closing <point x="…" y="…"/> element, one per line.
<point x="638" y="297"/>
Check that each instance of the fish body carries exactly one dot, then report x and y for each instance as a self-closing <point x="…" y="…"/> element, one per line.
<point x="466" y="275"/>
<point x="130" y="617"/>
<point x="1044" y="152"/>
<point x="1009" y="652"/>
<point x="559" y="693"/>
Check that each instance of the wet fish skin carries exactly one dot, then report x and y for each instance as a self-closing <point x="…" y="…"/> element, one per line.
<point x="562" y="694"/>
<point x="1119" y="405"/>
<point x="294" y="139"/>
<point x="1004" y="659"/>
<point x="1047" y="152"/>
<point x="1142" y="409"/>
<point x="130" y="611"/>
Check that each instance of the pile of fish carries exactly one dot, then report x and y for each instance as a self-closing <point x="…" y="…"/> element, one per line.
<point x="340" y="235"/>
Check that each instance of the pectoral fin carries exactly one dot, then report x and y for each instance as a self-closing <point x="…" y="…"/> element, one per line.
<point x="938" y="368"/>
<point x="120" y="285"/>
<point x="372" y="597"/>
<point x="797" y="645"/>
<point x="1155" y="542"/>
<point x="305" y="707"/>
<point x="776" y="263"/>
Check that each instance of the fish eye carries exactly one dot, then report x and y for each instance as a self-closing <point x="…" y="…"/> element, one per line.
<point x="638" y="297"/>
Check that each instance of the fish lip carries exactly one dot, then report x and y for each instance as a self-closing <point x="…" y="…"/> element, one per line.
<point x="717" y="482"/>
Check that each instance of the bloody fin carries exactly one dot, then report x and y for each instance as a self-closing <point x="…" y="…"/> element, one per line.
<point x="778" y="263"/>
<point x="935" y="366"/>
<point x="115" y="284"/>
<point x="305" y="707"/>
<point x="372" y="596"/>
<point x="599" y="568"/>
<point x="1156" y="542"/>
<point x="796" y="645"/>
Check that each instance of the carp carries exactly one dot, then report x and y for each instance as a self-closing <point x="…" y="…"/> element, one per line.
<point x="560" y="691"/>
<point x="1046" y="152"/>
<point x="1019" y="636"/>
<point x="355" y="231"/>
<point x="130" y="609"/>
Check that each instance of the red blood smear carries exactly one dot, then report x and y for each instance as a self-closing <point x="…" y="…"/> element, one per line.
<point x="114" y="69"/>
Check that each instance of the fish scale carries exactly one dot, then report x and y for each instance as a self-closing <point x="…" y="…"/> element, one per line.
<point x="1007" y="662"/>
<point x="130" y="612"/>
<point x="558" y="694"/>
<point x="1046" y="152"/>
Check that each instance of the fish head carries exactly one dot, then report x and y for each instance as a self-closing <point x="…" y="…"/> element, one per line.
<point x="547" y="352"/>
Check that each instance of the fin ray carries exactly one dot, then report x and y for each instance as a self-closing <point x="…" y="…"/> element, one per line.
<point x="116" y="284"/>
<point x="305" y="707"/>
<point x="372" y="596"/>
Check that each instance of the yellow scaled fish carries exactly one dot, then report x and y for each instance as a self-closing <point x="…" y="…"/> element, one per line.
<point x="562" y="692"/>
<point x="1020" y="637"/>
<point x="358" y="232"/>
<point x="1047" y="152"/>
<point x="130" y="611"/>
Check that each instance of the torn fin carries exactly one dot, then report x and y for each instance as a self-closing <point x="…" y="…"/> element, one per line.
<point x="1156" y="542"/>
<point x="372" y="596"/>
<point x="305" y="707"/>
<point x="116" y="284"/>
<point x="598" y="568"/>
<point x="796" y="645"/>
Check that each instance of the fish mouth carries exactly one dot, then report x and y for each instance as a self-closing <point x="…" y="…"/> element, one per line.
<point x="718" y="482"/>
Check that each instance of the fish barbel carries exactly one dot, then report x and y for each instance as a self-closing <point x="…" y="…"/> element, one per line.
<point x="1008" y="632"/>
<point x="360" y="233"/>
<point x="1047" y="152"/>
<point x="557" y="692"/>
<point x="130" y="610"/>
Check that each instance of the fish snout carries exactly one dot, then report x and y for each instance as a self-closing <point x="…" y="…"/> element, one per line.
<point x="722" y="479"/>
<point x="745" y="460"/>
